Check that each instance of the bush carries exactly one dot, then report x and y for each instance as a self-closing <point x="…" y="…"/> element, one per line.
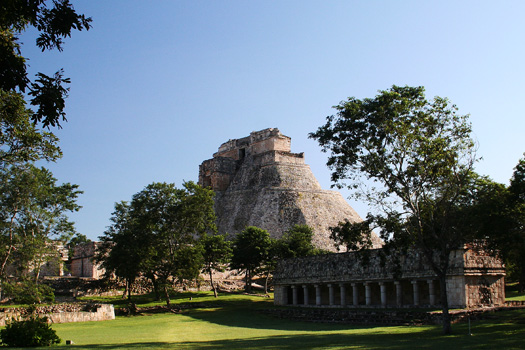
<point x="32" y="332"/>
<point x="28" y="292"/>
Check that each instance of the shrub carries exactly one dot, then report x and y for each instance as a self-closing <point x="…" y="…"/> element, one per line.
<point x="28" y="292"/>
<point x="34" y="331"/>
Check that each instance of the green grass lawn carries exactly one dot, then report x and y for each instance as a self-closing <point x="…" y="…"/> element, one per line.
<point x="512" y="293"/>
<point x="233" y="322"/>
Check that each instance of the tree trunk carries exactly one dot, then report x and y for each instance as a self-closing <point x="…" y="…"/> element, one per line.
<point x="213" y="285"/>
<point x="266" y="282"/>
<point x="128" y="287"/>
<point x="248" y="281"/>
<point x="447" y="329"/>
<point x="155" y="284"/>
<point x="167" y="296"/>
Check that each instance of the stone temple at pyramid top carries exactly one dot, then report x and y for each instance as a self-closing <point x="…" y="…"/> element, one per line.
<point x="259" y="182"/>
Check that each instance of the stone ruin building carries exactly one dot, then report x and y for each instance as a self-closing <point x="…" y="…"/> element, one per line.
<point x="259" y="182"/>
<point x="82" y="263"/>
<point x="346" y="280"/>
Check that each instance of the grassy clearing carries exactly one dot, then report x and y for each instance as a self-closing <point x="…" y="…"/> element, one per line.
<point x="233" y="322"/>
<point x="512" y="292"/>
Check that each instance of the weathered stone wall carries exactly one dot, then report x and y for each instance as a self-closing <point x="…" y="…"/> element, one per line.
<point x="63" y="313"/>
<point x="82" y="264"/>
<point x="259" y="182"/>
<point x="475" y="278"/>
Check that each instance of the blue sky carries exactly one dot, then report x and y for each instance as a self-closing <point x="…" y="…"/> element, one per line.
<point x="157" y="86"/>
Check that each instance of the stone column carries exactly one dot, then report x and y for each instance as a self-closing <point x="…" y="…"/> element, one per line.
<point x="432" y="295"/>
<point x="317" y="294"/>
<point x="281" y="295"/>
<point x="415" y="289"/>
<point x="294" y="295"/>
<point x="305" y="292"/>
<point x="368" y="293"/>
<point x="383" y="293"/>
<point x="399" y="293"/>
<point x="342" y="290"/>
<point x="355" y="294"/>
<point x="331" y="295"/>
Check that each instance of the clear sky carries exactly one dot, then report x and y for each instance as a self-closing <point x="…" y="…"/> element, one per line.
<point x="157" y="86"/>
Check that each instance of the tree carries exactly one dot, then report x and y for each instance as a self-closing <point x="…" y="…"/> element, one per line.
<point x="33" y="211"/>
<point x="156" y="234"/>
<point x="418" y="157"/>
<point x="121" y="248"/>
<point x="33" y="207"/>
<point x="501" y="213"/>
<point x="251" y="249"/>
<point x="297" y="241"/>
<point x="514" y="249"/>
<point x="217" y="252"/>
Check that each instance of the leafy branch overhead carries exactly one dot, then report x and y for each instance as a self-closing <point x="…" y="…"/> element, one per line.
<point x="54" y="23"/>
<point x="33" y="208"/>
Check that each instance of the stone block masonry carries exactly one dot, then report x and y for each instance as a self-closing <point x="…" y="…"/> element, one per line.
<point x="63" y="313"/>
<point x="259" y="182"/>
<point x="375" y="280"/>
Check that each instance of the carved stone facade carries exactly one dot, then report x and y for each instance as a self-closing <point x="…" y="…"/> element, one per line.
<point x="82" y="264"/>
<point x="346" y="279"/>
<point x="259" y="182"/>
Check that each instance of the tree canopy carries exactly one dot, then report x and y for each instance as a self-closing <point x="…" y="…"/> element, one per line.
<point x="413" y="159"/>
<point x="217" y="253"/>
<point x="251" y="249"/>
<point x="156" y="234"/>
<point x="33" y="207"/>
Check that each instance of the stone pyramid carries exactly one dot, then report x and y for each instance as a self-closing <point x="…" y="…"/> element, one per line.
<point x="259" y="182"/>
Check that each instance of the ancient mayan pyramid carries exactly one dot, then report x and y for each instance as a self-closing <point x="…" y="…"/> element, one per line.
<point x="259" y="182"/>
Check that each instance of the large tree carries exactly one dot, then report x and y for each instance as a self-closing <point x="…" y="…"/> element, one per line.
<point x="156" y="234"/>
<point x="217" y="252"/>
<point x="252" y="249"/>
<point x="500" y="211"/>
<point x="33" y="206"/>
<point x="412" y="158"/>
<point x="33" y="211"/>
<point x="515" y="244"/>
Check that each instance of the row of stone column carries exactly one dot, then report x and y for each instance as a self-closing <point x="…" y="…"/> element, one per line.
<point x="368" y="293"/>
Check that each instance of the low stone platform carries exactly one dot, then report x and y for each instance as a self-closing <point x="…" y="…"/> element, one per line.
<point x="381" y="317"/>
<point x="63" y="313"/>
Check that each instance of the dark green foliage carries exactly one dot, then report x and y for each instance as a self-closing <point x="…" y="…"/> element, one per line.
<point x="217" y="252"/>
<point x="49" y="96"/>
<point x="156" y="235"/>
<point x="54" y="23"/>
<point x="353" y="236"/>
<point x="32" y="206"/>
<point x="295" y="242"/>
<point x="251" y="249"/>
<point x="501" y="213"/>
<point x="28" y="292"/>
<point x="413" y="160"/>
<point x="32" y="332"/>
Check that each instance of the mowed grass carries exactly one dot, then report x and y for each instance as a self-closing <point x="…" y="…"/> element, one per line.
<point x="235" y="322"/>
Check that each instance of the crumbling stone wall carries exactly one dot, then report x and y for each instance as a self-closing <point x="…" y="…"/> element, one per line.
<point x="62" y="313"/>
<point x="475" y="278"/>
<point x="259" y="182"/>
<point x="82" y="264"/>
